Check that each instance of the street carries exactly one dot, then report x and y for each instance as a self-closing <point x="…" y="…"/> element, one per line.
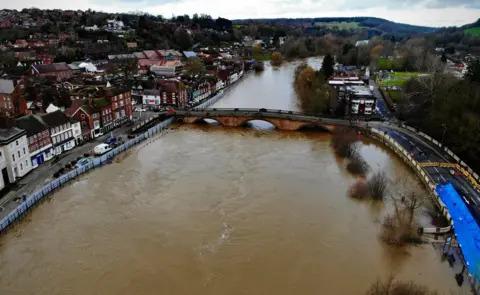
<point x="382" y="108"/>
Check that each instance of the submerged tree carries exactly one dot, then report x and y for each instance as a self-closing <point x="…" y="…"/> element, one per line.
<point x="327" y="65"/>
<point x="392" y="287"/>
<point x="314" y="94"/>
<point x="277" y="58"/>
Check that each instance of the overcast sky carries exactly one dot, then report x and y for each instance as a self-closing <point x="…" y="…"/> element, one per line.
<point x="418" y="12"/>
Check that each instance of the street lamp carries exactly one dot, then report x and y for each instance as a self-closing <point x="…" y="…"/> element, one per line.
<point x="444" y="129"/>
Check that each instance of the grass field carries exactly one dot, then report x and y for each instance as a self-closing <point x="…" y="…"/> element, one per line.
<point x="397" y="79"/>
<point x="390" y="64"/>
<point x="473" y="31"/>
<point x="339" y="25"/>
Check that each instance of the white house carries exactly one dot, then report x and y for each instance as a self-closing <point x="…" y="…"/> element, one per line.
<point x="77" y="131"/>
<point x="61" y="131"/>
<point x="116" y="25"/>
<point x="38" y="137"/>
<point x="14" y="155"/>
<point x="220" y="85"/>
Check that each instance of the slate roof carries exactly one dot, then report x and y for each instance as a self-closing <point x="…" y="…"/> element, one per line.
<point x="55" y="118"/>
<point x="51" y="68"/>
<point x="6" y="86"/>
<point x="31" y="123"/>
<point x="10" y="134"/>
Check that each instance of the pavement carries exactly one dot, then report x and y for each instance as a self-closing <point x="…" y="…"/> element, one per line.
<point x="43" y="174"/>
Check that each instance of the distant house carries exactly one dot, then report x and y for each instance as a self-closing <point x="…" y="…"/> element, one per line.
<point x="5" y="24"/>
<point x="131" y="45"/>
<point x="167" y="68"/>
<point x="60" y="70"/>
<point x="12" y="99"/>
<point x="361" y="42"/>
<point x="189" y="54"/>
<point x="20" y="44"/>
<point x="173" y="94"/>
<point x="38" y="136"/>
<point x="116" y="25"/>
<point x="225" y="55"/>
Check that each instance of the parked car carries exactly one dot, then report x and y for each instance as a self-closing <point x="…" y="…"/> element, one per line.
<point x="139" y="109"/>
<point x="101" y="149"/>
<point x="82" y="162"/>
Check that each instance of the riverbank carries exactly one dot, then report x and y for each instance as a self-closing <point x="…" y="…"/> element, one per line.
<point x="14" y="211"/>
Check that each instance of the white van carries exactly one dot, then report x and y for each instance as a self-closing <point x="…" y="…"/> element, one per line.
<point x="101" y="149"/>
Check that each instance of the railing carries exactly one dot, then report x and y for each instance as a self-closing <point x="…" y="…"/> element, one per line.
<point x="463" y="167"/>
<point x="39" y="195"/>
<point x="426" y="179"/>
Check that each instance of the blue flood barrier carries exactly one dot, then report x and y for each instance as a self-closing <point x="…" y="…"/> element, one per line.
<point x="466" y="228"/>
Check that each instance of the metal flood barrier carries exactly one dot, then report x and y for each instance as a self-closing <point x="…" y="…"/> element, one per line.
<point x="39" y="195"/>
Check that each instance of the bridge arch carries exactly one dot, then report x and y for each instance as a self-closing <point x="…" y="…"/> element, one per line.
<point x="262" y="119"/>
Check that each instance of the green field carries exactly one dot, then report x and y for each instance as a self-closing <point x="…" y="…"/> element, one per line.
<point x="397" y="79"/>
<point x="473" y="31"/>
<point x="390" y="64"/>
<point x="339" y="25"/>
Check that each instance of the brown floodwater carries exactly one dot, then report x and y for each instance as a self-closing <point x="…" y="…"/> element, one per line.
<point x="212" y="210"/>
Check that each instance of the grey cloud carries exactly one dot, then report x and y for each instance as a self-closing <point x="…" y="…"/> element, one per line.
<point x="453" y="3"/>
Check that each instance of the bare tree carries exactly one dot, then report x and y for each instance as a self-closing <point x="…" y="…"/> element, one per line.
<point x="344" y="143"/>
<point x="399" y="229"/>
<point x="392" y="287"/>
<point x="377" y="185"/>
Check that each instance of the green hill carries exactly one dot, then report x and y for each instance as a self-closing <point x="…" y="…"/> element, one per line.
<point x="473" y="31"/>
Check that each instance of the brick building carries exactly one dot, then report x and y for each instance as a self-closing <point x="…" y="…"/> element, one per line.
<point x="12" y="97"/>
<point x="60" y="70"/>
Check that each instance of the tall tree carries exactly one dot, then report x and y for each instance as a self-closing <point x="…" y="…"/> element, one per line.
<point x="182" y="38"/>
<point x="327" y="65"/>
<point x="194" y="66"/>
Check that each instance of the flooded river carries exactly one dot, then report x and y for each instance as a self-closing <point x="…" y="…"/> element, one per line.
<point x="213" y="210"/>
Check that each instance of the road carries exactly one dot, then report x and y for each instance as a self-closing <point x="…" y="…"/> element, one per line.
<point x="382" y="108"/>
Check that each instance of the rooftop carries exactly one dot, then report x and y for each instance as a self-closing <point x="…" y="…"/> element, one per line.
<point x="8" y="135"/>
<point x="31" y="123"/>
<point x="51" y="68"/>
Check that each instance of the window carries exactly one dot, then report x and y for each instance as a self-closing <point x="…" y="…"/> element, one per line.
<point x="16" y="142"/>
<point x="24" y="151"/>
<point x="84" y="124"/>
<point x="52" y="131"/>
<point x="26" y="163"/>
<point x="0" y="154"/>
<point x="56" y="129"/>
<point x="21" y="166"/>
<point x="19" y="154"/>
<point x="54" y="140"/>
<point x="13" y="157"/>
<point x="82" y="116"/>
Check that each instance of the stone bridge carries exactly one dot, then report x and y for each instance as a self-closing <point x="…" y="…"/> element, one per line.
<point x="283" y="120"/>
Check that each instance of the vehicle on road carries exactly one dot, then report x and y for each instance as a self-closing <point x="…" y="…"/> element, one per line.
<point x="82" y="162"/>
<point x="140" y="109"/>
<point x="101" y="149"/>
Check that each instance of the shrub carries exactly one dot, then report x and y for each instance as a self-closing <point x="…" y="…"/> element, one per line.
<point x="392" y="287"/>
<point x="357" y="165"/>
<point x="359" y="190"/>
<point x="377" y="185"/>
